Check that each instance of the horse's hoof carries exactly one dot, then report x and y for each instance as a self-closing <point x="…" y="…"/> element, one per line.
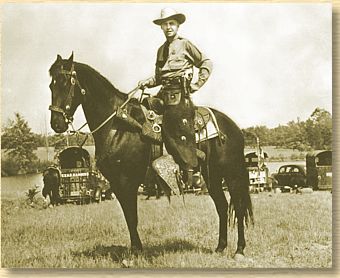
<point x="136" y="250"/>
<point x="219" y="249"/>
<point x="239" y="257"/>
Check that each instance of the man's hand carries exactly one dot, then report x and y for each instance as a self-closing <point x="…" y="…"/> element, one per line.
<point x="144" y="83"/>
<point x="194" y="87"/>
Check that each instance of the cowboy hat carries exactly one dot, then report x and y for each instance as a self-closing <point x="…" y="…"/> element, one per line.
<point x="169" y="13"/>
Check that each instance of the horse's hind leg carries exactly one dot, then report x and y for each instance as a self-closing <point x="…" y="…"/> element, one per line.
<point x="221" y="204"/>
<point x="240" y="199"/>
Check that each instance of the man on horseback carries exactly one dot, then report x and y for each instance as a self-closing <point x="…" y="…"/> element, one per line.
<point x="174" y="71"/>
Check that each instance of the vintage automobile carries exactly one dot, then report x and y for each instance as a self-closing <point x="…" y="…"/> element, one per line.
<point x="80" y="181"/>
<point x="289" y="177"/>
<point x="319" y="170"/>
<point x="258" y="171"/>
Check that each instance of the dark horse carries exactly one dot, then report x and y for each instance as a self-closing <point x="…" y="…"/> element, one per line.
<point x="122" y="152"/>
<point x="51" y="179"/>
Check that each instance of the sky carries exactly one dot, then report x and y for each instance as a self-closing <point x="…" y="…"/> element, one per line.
<point x="272" y="61"/>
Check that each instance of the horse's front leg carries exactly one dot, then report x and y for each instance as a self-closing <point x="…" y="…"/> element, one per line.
<point x="126" y="194"/>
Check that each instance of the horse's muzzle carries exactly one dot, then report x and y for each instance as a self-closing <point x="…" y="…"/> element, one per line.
<point x="58" y="123"/>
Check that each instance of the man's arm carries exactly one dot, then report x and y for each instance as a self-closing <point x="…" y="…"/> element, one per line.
<point x="148" y="83"/>
<point x="200" y="61"/>
<point x="152" y="81"/>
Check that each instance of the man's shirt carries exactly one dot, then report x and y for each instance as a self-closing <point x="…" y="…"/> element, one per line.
<point x="179" y="56"/>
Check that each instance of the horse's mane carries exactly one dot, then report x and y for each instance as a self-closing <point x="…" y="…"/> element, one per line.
<point x="87" y="70"/>
<point x="89" y="73"/>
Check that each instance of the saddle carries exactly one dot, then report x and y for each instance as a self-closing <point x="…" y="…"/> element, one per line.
<point x="205" y="123"/>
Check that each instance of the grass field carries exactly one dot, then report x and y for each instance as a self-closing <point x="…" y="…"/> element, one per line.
<point x="291" y="231"/>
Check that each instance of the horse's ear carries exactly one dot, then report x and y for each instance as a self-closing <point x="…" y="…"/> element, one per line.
<point x="71" y="58"/>
<point x="59" y="58"/>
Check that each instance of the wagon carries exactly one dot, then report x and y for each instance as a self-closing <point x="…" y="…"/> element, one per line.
<point x="319" y="170"/>
<point x="258" y="171"/>
<point x="80" y="181"/>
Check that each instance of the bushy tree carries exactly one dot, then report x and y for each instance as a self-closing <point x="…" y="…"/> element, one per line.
<point x="319" y="129"/>
<point x="296" y="136"/>
<point x="19" y="142"/>
<point x="278" y="136"/>
<point x="261" y="132"/>
<point x="40" y="139"/>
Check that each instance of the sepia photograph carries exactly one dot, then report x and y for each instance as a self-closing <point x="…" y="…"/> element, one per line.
<point x="166" y="136"/>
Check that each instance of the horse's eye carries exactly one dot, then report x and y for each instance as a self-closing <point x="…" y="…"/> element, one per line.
<point x="61" y="81"/>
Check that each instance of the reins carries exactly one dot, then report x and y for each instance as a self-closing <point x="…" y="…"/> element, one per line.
<point x="78" y="131"/>
<point x="129" y="96"/>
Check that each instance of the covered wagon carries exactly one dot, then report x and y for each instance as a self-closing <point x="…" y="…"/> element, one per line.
<point x="80" y="181"/>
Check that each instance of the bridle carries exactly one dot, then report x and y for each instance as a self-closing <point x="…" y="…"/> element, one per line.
<point x="74" y="81"/>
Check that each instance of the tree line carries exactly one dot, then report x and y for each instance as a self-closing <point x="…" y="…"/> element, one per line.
<point x="313" y="134"/>
<point x="19" y="142"/>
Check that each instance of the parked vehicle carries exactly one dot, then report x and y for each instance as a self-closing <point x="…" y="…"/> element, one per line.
<point x="80" y="181"/>
<point x="258" y="171"/>
<point x="289" y="177"/>
<point x="319" y="170"/>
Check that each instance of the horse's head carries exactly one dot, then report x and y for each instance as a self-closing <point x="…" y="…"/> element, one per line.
<point x="66" y="93"/>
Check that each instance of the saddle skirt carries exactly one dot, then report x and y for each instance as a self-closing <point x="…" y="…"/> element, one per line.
<point x="205" y="124"/>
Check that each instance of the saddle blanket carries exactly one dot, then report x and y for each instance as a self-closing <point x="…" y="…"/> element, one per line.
<point x="207" y="133"/>
<point x="208" y="129"/>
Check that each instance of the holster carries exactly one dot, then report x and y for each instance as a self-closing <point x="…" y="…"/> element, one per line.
<point x="174" y="89"/>
<point x="186" y="86"/>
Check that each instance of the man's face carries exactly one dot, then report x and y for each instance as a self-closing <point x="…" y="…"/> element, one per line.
<point x="170" y="28"/>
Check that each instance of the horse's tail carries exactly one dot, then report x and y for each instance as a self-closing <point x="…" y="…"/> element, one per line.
<point x="237" y="177"/>
<point x="240" y="202"/>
